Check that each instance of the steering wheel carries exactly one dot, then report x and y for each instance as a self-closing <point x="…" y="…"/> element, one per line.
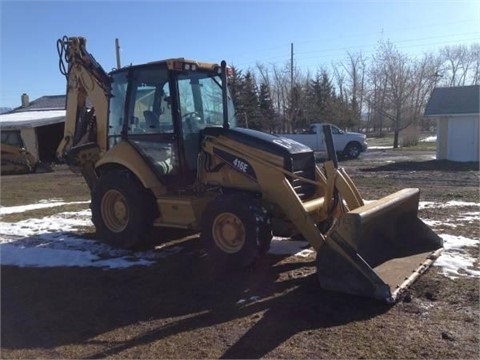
<point x="190" y="121"/>
<point x="190" y="114"/>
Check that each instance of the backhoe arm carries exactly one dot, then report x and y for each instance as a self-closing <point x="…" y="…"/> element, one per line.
<point x="85" y="79"/>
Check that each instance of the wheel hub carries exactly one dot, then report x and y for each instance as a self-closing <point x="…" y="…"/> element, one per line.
<point x="115" y="210"/>
<point x="228" y="233"/>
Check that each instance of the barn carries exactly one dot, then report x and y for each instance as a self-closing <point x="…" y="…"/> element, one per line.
<point x="37" y="125"/>
<point x="457" y="110"/>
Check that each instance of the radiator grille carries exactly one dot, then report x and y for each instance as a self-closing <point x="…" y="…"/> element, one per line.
<point x="302" y="165"/>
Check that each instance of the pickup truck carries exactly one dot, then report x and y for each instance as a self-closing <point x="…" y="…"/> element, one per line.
<point x="347" y="144"/>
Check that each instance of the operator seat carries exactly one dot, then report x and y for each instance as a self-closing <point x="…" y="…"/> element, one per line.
<point x="151" y="120"/>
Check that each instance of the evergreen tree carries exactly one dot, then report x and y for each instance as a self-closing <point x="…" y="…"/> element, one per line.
<point x="326" y="96"/>
<point x="313" y="103"/>
<point x="236" y="86"/>
<point x="320" y="98"/>
<point x="250" y="115"/>
<point x="267" y="112"/>
<point x="296" y="108"/>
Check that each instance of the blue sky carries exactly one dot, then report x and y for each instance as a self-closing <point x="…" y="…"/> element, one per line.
<point x="241" y="32"/>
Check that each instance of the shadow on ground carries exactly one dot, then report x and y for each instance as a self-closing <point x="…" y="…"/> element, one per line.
<point x="51" y="307"/>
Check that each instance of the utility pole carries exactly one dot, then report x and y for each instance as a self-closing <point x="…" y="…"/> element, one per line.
<point x="291" y="66"/>
<point x="117" y="52"/>
<point x="290" y="120"/>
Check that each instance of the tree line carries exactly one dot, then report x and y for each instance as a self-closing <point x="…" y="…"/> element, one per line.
<point x="386" y="91"/>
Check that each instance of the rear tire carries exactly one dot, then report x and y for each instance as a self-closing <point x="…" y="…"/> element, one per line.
<point x="122" y="210"/>
<point x="235" y="231"/>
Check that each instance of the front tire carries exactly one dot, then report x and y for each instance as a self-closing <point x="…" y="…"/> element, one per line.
<point x="122" y="210"/>
<point x="352" y="151"/>
<point x="235" y="231"/>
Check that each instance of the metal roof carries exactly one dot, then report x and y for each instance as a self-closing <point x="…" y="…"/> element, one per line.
<point x="27" y="119"/>
<point x="48" y="102"/>
<point x="459" y="100"/>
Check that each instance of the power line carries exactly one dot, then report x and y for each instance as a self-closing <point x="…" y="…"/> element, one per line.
<point x="367" y="34"/>
<point x="323" y="53"/>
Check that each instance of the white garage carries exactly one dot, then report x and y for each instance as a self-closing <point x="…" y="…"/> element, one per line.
<point x="457" y="110"/>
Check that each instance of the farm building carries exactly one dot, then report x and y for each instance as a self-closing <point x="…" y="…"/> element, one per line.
<point x="457" y="110"/>
<point x="37" y="126"/>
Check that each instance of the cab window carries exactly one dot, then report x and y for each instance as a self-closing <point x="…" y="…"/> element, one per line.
<point x="117" y="108"/>
<point x="150" y="107"/>
<point x="201" y="95"/>
<point x="12" y="137"/>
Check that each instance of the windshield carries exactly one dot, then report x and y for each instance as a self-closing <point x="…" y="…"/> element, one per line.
<point x="201" y="94"/>
<point x="12" y="137"/>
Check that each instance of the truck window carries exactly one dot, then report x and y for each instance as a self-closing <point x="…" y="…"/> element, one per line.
<point x="336" y="130"/>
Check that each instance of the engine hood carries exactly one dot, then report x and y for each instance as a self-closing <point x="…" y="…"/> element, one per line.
<point x="352" y="133"/>
<point x="271" y="143"/>
<point x="297" y="158"/>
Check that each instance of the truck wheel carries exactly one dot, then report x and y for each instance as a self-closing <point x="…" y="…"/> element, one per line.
<point x="235" y="231"/>
<point x="122" y="210"/>
<point x="352" y="151"/>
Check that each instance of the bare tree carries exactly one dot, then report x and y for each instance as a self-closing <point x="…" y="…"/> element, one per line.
<point x="426" y="74"/>
<point x="376" y="98"/>
<point x="339" y="76"/>
<point x="279" y="92"/>
<point x="264" y="73"/>
<point x="460" y="64"/>
<point x="355" y="69"/>
<point x="396" y="70"/>
<point x="475" y="58"/>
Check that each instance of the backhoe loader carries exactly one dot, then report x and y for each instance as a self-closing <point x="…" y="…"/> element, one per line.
<point x="161" y="148"/>
<point x="16" y="160"/>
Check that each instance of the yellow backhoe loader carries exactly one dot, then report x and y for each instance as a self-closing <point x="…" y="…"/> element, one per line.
<point x="16" y="160"/>
<point x="161" y="148"/>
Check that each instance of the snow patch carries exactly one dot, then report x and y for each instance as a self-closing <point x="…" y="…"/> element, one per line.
<point x="429" y="139"/>
<point x="435" y="223"/>
<point x="287" y="246"/>
<point x="44" y="204"/>
<point x="380" y="147"/>
<point x="51" y="241"/>
<point x="455" y="260"/>
<point x="62" y="222"/>
<point x="452" y="203"/>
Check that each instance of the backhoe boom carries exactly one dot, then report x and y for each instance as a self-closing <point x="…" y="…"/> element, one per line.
<point x="85" y="79"/>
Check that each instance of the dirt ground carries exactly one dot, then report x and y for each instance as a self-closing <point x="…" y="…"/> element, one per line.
<point x="182" y="308"/>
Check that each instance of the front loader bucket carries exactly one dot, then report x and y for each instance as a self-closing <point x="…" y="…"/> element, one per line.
<point x="379" y="249"/>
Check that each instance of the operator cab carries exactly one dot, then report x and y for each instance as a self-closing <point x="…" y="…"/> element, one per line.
<point x="161" y="109"/>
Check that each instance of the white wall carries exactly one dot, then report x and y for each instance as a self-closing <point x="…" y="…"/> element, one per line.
<point x="29" y="137"/>
<point x="463" y="138"/>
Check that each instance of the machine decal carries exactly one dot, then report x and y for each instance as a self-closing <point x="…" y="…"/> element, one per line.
<point x="237" y="163"/>
<point x="242" y="166"/>
<point x="287" y="143"/>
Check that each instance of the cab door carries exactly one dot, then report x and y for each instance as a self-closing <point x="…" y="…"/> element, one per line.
<point x="142" y="114"/>
<point x="200" y="102"/>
